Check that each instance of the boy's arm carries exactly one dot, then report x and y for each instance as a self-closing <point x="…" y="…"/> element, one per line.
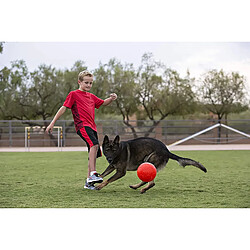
<point x="107" y="101"/>
<point x="57" y="116"/>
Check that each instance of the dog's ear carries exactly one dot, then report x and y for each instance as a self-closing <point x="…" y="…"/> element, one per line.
<point x="106" y="139"/>
<point x="117" y="139"/>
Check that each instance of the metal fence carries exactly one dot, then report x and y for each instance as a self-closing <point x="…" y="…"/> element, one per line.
<point x="12" y="132"/>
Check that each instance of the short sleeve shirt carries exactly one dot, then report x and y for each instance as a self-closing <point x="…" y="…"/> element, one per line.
<point x="83" y="105"/>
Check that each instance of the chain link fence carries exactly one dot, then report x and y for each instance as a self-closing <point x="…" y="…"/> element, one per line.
<point x="12" y="132"/>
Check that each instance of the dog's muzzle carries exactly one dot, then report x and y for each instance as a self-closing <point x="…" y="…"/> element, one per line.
<point x="109" y="159"/>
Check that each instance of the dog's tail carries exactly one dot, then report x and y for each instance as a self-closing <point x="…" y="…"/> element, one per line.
<point x="186" y="162"/>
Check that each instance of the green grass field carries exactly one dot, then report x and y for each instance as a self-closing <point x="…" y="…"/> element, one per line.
<point x="55" y="179"/>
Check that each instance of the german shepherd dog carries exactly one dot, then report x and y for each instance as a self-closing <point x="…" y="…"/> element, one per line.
<point x="128" y="155"/>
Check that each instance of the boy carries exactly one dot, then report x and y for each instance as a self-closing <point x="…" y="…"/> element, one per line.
<point x="83" y="104"/>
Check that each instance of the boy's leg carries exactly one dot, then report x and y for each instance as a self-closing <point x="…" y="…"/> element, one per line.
<point x="91" y="139"/>
<point x="92" y="159"/>
<point x="92" y="174"/>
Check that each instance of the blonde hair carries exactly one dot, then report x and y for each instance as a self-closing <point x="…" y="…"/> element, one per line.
<point x="84" y="73"/>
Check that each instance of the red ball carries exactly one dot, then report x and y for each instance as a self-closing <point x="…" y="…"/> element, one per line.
<point x="146" y="171"/>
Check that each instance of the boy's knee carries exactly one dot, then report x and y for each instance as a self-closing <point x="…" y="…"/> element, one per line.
<point x="95" y="147"/>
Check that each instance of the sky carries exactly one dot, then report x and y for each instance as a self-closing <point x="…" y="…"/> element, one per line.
<point x="197" y="57"/>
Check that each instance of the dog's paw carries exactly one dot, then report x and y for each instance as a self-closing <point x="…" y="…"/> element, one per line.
<point x="133" y="187"/>
<point x="98" y="187"/>
<point x="102" y="185"/>
<point x="143" y="191"/>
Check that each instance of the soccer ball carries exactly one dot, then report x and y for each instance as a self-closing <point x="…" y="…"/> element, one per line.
<point x="146" y="172"/>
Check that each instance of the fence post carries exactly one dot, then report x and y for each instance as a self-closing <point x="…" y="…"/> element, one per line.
<point x="10" y="134"/>
<point x="64" y="134"/>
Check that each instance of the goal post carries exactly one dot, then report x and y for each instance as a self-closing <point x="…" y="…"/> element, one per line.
<point x="206" y="130"/>
<point x="28" y="136"/>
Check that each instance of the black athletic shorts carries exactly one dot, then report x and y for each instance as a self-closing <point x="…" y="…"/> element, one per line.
<point x="90" y="137"/>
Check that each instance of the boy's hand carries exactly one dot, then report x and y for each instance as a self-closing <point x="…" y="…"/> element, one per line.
<point x="113" y="96"/>
<point x="49" y="129"/>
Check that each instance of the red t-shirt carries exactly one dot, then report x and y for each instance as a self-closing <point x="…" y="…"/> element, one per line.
<point x="82" y="105"/>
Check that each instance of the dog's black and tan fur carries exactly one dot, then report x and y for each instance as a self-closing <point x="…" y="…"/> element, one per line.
<point x="128" y="155"/>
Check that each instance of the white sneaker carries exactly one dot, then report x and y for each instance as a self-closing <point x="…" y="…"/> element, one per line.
<point x="89" y="186"/>
<point x="94" y="179"/>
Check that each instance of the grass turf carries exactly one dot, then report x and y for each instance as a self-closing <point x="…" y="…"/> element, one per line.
<point x="55" y="179"/>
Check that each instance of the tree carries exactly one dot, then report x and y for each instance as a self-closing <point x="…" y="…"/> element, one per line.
<point x="35" y="95"/>
<point x="1" y="47"/>
<point x="223" y="93"/>
<point x="13" y="83"/>
<point x="45" y="94"/>
<point x="30" y="95"/>
<point x="152" y="92"/>
<point x="162" y="92"/>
